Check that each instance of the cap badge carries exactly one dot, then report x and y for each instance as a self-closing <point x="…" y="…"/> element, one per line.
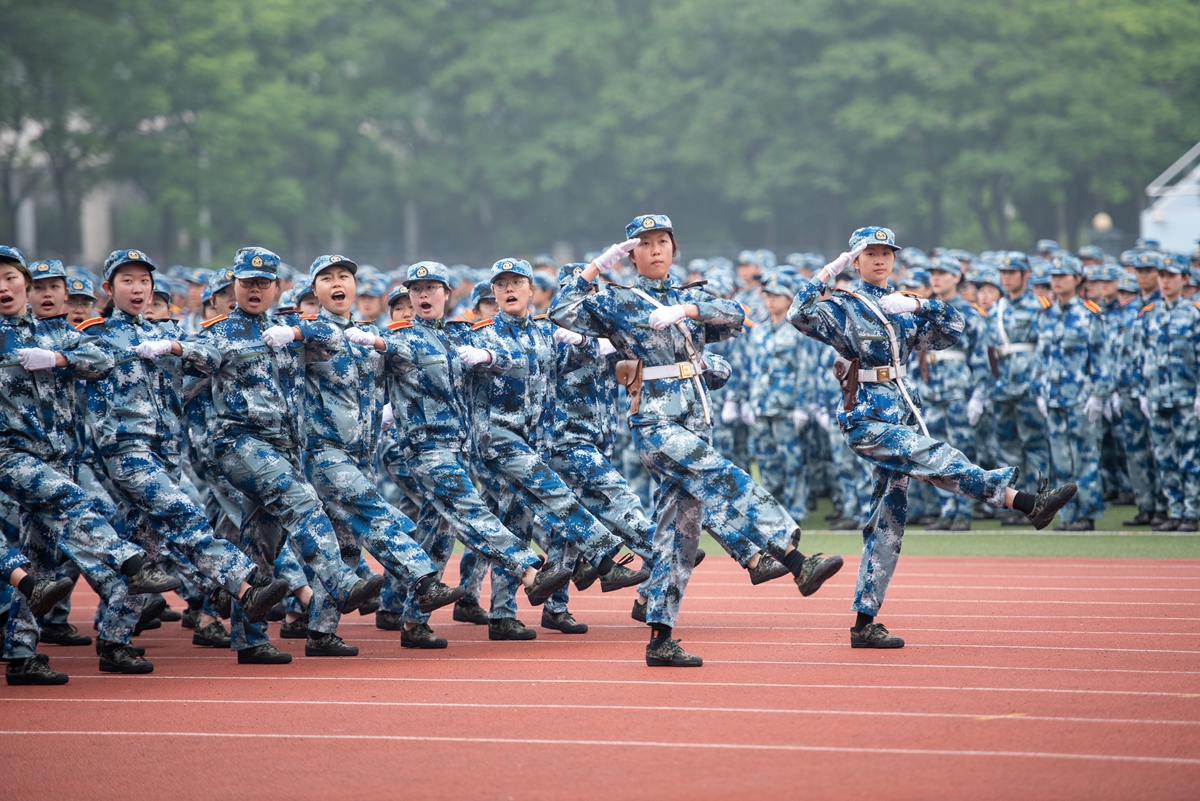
<point x="334" y="259"/>
<point x="881" y="235"/>
<point x="422" y="272"/>
<point x="76" y="284"/>
<point x="578" y="271"/>
<point x="133" y="254"/>
<point x="507" y="265"/>
<point x="256" y="261"/>
<point x="43" y="267"/>
<point x="229" y="275"/>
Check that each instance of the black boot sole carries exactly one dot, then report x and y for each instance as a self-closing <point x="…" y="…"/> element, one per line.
<point x="445" y="600"/>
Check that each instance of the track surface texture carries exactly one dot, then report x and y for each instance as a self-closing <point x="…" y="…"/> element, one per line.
<point x="1022" y="678"/>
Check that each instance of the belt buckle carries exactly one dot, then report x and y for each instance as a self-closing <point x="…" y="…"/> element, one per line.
<point x="686" y="370"/>
<point x="883" y="373"/>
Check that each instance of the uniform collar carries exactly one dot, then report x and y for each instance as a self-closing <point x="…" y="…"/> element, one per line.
<point x="862" y="287"/>
<point x="438" y="324"/>
<point x="341" y="322"/>
<point x="656" y="284"/>
<point x="132" y="319"/>
<point x="16" y="320"/>
<point x="509" y="319"/>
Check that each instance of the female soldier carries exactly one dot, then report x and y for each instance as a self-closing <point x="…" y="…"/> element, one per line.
<point x="874" y="331"/>
<point x="661" y="328"/>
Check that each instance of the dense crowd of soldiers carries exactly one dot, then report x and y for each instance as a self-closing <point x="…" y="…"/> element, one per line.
<point x="241" y="436"/>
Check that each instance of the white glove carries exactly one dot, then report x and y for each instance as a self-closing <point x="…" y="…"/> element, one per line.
<point x="897" y="303"/>
<point x="389" y="419"/>
<point x="1041" y="404"/>
<point x="974" y="410"/>
<point x="1196" y="406"/>
<point x="729" y="411"/>
<point x="799" y="418"/>
<point x="1144" y="405"/>
<point x="822" y="418"/>
<point x="845" y="260"/>
<point x="474" y="356"/>
<point x="606" y="347"/>
<point x="1115" y="405"/>
<point x="568" y="337"/>
<point x="277" y="336"/>
<point x="152" y="350"/>
<point x="612" y="257"/>
<point x="1092" y="408"/>
<point x="36" y="358"/>
<point x="666" y="317"/>
<point x="359" y="337"/>
<point x="748" y="416"/>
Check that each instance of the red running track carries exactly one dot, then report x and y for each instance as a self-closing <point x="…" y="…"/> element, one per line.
<point x="1022" y="678"/>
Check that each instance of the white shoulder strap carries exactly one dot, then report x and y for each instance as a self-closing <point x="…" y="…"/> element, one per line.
<point x="894" y="345"/>
<point x="693" y="354"/>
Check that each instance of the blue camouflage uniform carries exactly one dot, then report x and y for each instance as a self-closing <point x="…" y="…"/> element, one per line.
<point x="881" y="426"/>
<point x="672" y="427"/>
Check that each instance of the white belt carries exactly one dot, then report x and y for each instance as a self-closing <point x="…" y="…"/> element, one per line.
<point x="678" y="371"/>
<point x="946" y="356"/>
<point x="880" y="374"/>
<point x="1020" y="347"/>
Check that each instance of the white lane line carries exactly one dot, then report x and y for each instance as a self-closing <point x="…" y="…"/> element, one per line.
<point x="980" y="716"/>
<point x="947" y="601"/>
<point x="534" y="682"/>
<point x="826" y="749"/>
<point x="742" y="584"/>
<point x="1189" y="619"/>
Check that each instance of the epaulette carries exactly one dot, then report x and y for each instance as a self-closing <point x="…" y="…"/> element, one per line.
<point x="695" y="284"/>
<point x="614" y="283"/>
<point x="912" y="294"/>
<point x="747" y="322"/>
<point x="458" y="321"/>
<point x="213" y="320"/>
<point x="1196" y="304"/>
<point x="845" y="291"/>
<point x="1145" y="309"/>
<point x="541" y="317"/>
<point x="483" y="323"/>
<point x="1046" y="302"/>
<point x="308" y="317"/>
<point x="1091" y="306"/>
<point x="89" y="323"/>
<point x="396" y="326"/>
<point x="978" y="308"/>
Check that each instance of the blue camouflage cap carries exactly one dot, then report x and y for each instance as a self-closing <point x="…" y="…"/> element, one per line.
<point x="1147" y="243"/>
<point x="398" y="291"/>
<point x="218" y="280"/>
<point x="81" y="286"/>
<point x="543" y="280"/>
<point x="1091" y="252"/>
<point x="918" y="277"/>
<point x="197" y="275"/>
<point x="782" y="283"/>
<point x="49" y="268"/>
<point x="331" y="260"/>
<point x="376" y="286"/>
<point x="1106" y="272"/>
<point x="961" y="255"/>
<point x="1065" y="264"/>
<point x="569" y="271"/>
<point x="544" y="260"/>
<point x="1047" y="247"/>
<point x="874" y="235"/>
<point x="1040" y="275"/>
<point x="749" y="257"/>
<point x="912" y="257"/>
<point x="300" y="289"/>
<point x="287" y="300"/>
<point x="648" y="222"/>
<point x="720" y="283"/>
<point x="1194" y="276"/>
<point x="1176" y="263"/>
<point x="427" y="271"/>
<point x="767" y="259"/>
<point x="119" y="258"/>
<point x="1127" y="283"/>
<point x="286" y="272"/>
<point x="947" y="264"/>
<point x="1014" y="260"/>
<point x="987" y="275"/>
<point x="10" y="253"/>
<point x="482" y="291"/>
<point x="516" y="266"/>
<point x="1145" y="260"/>
<point x="256" y="263"/>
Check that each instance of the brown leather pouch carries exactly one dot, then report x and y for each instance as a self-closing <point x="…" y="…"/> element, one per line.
<point x="846" y="373"/>
<point x="994" y="362"/>
<point x="629" y="375"/>
<point x="923" y="363"/>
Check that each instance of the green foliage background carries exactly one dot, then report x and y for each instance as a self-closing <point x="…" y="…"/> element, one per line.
<point x="504" y="125"/>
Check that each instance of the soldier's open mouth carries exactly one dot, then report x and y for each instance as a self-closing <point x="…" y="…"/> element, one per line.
<point x="338" y="297"/>
<point x="426" y="305"/>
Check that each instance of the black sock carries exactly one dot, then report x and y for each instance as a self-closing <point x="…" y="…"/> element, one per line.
<point x="132" y="565"/>
<point x="26" y="586"/>
<point x="863" y="619"/>
<point x="606" y="565"/>
<point x="659" y="633"/>
<point x="423" y="584"/>
<point x="1023" y="502"/>
<point x="794" y="561"/>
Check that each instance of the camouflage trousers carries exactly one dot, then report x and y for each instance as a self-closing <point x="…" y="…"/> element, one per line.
<point x="854" y="478"/>
<point x="361" y="519"/>
<point x="1132" y="432"/>
<point x="524" y="488"/>
<point x="451" y="507"/>
<point x="57" y="516"/>
<point x="1022" y="440"/>
<point x="403" y="493"/>
<point x="693" y="477"/>
<point x="781" y="466"/>
<point x="1175" y="432"/>
<point x="899" y="453"/>
<point x="632" y="469"/>
<point x="739" y="547"/>
<point x="947" y="421"/>
<point x="1075" y="456"/>
<point x="279" y="504"/>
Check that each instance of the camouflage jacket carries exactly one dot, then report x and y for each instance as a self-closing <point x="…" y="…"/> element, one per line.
<point x="1071" y="361"/>
<point x="955" y="378"/>
<point x="425" y="383"/>
<point x="622" y="316"/>
<point x="1013" y="322"/>
<point x="780" y="370"/>
<point x="846" y="323"/>
<point x="345" y="394"/>
<point x="1166" y="345"/>
<point x="1123" y="355"/>
<point x="254" y="387"/>
<point x="585" y="409"/>
<point x="32" y="419"/>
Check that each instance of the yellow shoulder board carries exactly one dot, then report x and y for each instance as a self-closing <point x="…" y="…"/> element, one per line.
<point x="308" y="317"/>
<point x="213" y="320"/>
<point x="89" y="323"/>
<point x="748" y="323"/>
<point x="1091" y="306"/>
<point x="845" y="292"/>
<point x="483" y="323"/>
<point x="1145" y="309"/>
<point x="979" y="309"/>
<point x="911" y="294"/>
<point x="541" y="316"/>
<point x="396" y="326"/>
<point x="1196" y="304"/>
<point x="1046" y="302"/>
